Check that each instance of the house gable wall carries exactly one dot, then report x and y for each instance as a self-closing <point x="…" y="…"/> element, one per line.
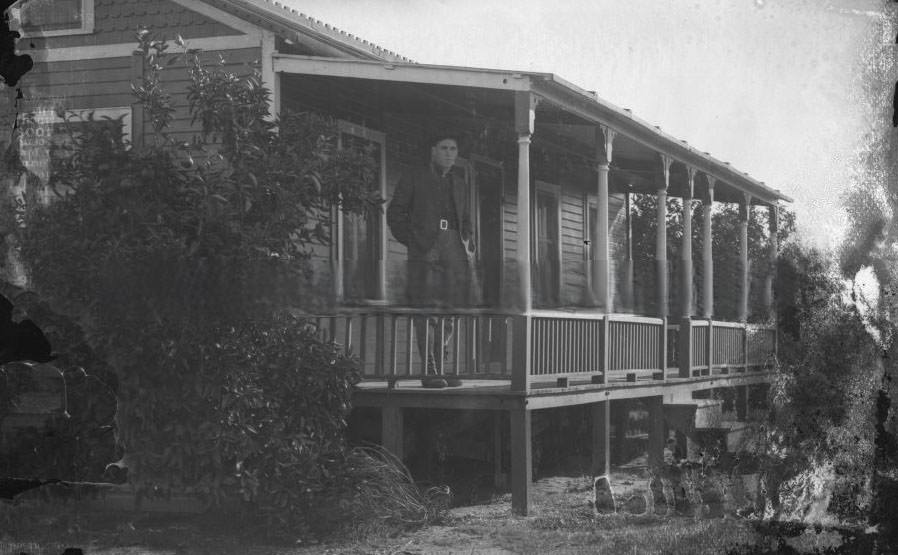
<point x="117" y="21"/>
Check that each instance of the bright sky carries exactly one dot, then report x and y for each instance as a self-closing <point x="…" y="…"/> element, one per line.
<point x="771" y="86"/>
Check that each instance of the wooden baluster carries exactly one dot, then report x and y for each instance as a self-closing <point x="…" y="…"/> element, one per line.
<point x="409" y="342"/>
<point x="394" y="336"/>
<point x="427" y="342"/>
<point x="477" y="351"/>
<point x="348" y="332"/>
<point x="380" y="348"/>
<point x="363" y="342"/>
<point x="442" y="354"/>
<point x="470" y="345"/>
<point x="456" y="328"/>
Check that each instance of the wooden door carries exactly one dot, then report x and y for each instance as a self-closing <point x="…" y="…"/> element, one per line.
<point x="547" y="245"/>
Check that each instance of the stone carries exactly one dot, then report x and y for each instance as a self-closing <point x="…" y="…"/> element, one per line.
<point x="603" y="500"/>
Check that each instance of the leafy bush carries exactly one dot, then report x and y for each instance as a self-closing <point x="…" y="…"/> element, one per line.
<point x="184" y="264"/>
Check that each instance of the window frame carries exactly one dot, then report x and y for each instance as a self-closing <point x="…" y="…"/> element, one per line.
<point x="555" y="191"/>
<point x="339" y="220"/>
<point x="86" y="28"/>
<point x="51" y="117"/>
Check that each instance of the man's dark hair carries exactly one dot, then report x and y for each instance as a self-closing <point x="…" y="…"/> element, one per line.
<point x="439" y="136"/>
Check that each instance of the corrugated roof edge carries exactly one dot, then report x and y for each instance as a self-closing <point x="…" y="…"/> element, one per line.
<point x="302" y="23"/>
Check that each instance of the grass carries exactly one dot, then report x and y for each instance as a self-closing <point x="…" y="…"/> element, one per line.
<point x="561" y="522"/>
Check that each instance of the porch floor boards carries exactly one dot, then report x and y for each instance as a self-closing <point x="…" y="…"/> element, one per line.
<point x="480" y="393"/>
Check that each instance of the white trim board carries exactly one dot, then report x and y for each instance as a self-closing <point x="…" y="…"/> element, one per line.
<point x="123" y="50"/>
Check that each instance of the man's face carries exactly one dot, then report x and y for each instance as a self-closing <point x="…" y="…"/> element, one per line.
<point x="444" y="153"/>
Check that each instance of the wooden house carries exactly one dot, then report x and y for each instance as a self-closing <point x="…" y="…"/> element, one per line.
<point x="558" y="319"/>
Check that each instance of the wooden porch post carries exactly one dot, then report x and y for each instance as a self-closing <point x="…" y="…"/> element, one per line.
<point x="628" y="263"/>
<point x="661" y="240"/>
<point x="601" y="268"/>
<point x="686" y="250"/>
<point x="521" y="461"/>
<point x="620" y="418"/>
<point x="772" y="222"/>
<point x="745" y="216"/>
<point x="601" y="438"/>
<point x="707" y="252"/>
<point x="525" y="114"/>
<point x="685" y="337"/>
<point x="391" y="430"/>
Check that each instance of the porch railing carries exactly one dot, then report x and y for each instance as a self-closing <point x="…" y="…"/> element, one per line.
<point x="717" y="347"/>
<point x="399" y="343"/>
<point x="404" y="343"/>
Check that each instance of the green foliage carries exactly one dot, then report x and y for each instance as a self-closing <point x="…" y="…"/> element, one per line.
<point x="181" y="261"/>
<point x="726" y="248"/>
<point x="829" y="363"/>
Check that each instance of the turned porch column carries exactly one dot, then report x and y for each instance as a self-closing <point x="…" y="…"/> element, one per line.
<point x="661" y="240"/>
<point x="745" y="216"/>
<point x="686" y="250"/>
<point x="772" y="224"/>
<point x="628" y="263"/>
<point x="601" y="269"/>
<point x="525" y="113"/>
<point x="708" y="251"/>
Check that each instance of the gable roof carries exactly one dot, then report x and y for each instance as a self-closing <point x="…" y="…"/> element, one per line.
<point x="294" y="26"/>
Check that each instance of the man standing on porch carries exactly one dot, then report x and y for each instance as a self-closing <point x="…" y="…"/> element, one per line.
<point x="430" y="215"/>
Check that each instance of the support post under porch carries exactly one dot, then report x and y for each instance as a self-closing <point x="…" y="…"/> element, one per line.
<point x="655" y="406"/>
<point x="392" y="431"/>
<point x="601" y="438"/>
<point x="521" y="460"/>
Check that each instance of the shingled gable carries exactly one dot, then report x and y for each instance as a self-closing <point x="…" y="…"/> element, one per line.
<point x="297" y="28"/>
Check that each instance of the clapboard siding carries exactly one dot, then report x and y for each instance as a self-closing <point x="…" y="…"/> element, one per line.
<point x="117" y="21"/>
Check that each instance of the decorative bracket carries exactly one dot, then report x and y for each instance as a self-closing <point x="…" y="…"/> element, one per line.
<point x="745" y="208"/>
<point x="608" y="133"/>
<point x="525" y="104"/>
<point x="690" y="184"/>
<point x="711" y="182"/>
<point x="665" y="167"/>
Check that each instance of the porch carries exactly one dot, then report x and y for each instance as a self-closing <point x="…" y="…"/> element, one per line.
<point x="546" y="348"/>
<point x="586" y="296"/>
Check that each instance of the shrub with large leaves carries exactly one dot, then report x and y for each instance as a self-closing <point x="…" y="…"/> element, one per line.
<point x="180" y="261"/>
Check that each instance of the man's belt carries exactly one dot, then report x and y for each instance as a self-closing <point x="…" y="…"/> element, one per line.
<point x="444" y="225"/>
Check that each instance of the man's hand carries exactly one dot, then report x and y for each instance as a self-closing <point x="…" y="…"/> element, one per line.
<point x="470" y="246"/>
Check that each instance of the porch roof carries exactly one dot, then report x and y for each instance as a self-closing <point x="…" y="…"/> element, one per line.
<point x="582" y="104"/>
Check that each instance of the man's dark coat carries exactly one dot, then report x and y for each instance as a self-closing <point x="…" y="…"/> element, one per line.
<point x="414" y="212"/>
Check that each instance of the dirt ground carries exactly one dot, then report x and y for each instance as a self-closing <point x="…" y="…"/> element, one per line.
<point x="562" y="521"/>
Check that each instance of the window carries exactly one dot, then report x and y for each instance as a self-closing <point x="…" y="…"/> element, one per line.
<point x="359" y="240"/>
<point x="547" y="244"/>
<point x="44" y="134"/>
<point x="488" y="182"/>
<point x="47" y="18"/>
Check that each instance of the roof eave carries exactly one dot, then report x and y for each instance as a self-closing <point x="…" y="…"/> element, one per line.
<point x="589" y="106"/>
